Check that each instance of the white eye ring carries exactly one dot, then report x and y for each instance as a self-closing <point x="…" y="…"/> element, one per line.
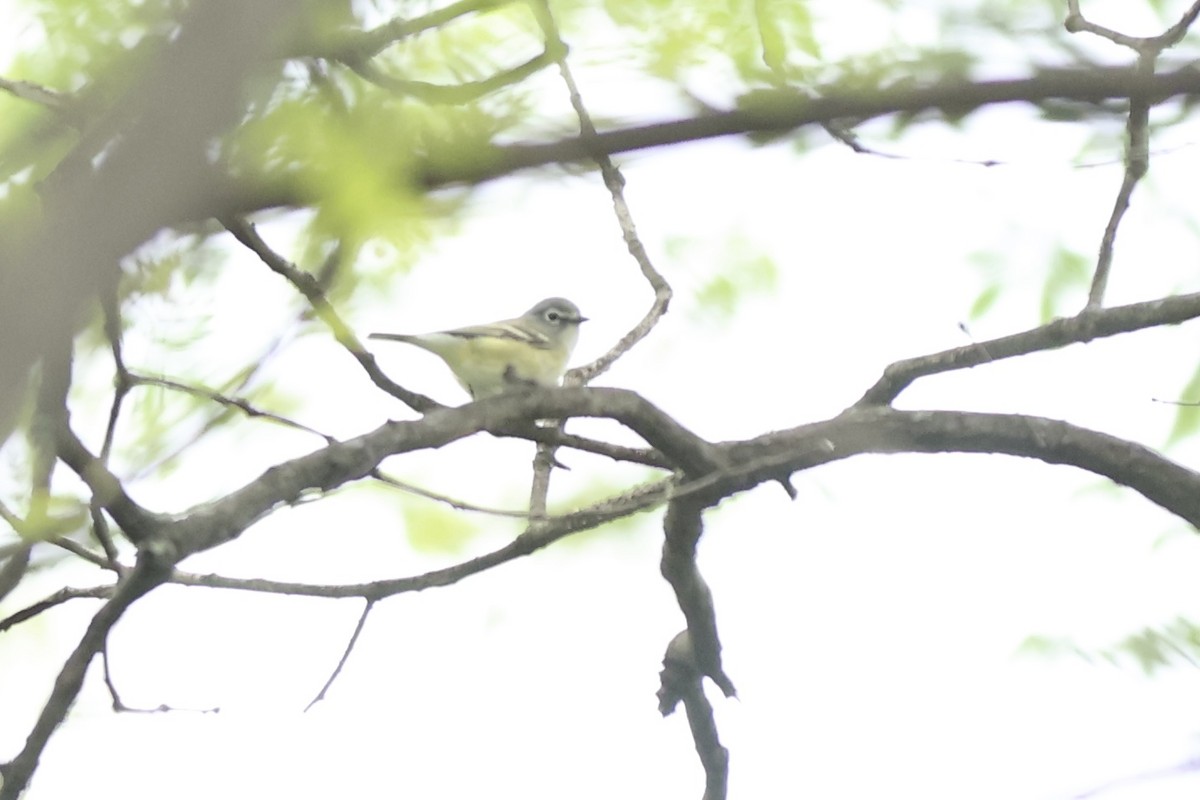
<point x="553" y="316"/>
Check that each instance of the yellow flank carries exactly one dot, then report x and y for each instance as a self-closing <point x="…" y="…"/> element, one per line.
<point x="487" y="365"/>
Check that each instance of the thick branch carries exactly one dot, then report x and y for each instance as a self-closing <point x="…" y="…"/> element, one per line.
<point x="886" y="430"/>
<point x="767" y="458"/>
<point x="785" y="110"/>
<point x="681" y="681"/>
<point x="771" y="111"/>
<point x="682" y="527"/>
<point x="341" y="462"/>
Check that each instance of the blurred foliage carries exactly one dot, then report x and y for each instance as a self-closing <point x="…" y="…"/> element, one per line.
<point x="738" y="270"/>
<point x="1151" y="648"/>
<point x="759" y="41"/>
<point x="1066" y="286"/>
<point x="1187" y="418"/>
<point x="437" y="529"/>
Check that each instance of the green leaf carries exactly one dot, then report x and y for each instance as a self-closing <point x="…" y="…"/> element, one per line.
<point x="1147" y="647"/>
<point x="434" y="528"/>
<point x="984" y="301"/>
<point x="743" y="271"/>
<point x="1068" y="271"/>
<point x="1187" y="418"/>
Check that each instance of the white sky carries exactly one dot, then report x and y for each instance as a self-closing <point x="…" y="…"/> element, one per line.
<point x="872" y="625"/>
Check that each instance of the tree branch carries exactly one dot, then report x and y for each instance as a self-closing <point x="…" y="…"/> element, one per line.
<point x="683" y="525"/>
<point x="784" y="110"/>
<point x="107" y="490"/>
<point x="58" y="598"/>
<point x="358" y="629"/>
<point x="155" y="139"/>
<point x="682" y="680"/>
<point x="886" y="430"/>
<point x="307" y="285"/>
<point x="751" y="462"/>
<point x="370" y="43"/>
<point x="1086" y="326"/>
<point x="1137" y="163"/>
<point x="141" y="579"/>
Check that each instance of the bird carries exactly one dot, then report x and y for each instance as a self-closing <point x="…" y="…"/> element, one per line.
<point x="524" y="352"/>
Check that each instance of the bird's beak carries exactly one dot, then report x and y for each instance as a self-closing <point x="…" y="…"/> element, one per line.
<point x="581" y="319"/>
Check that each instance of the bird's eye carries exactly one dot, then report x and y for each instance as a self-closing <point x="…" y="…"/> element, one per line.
<point x="553" y="316"/>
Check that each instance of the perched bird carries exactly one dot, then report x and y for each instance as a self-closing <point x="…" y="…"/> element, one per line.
<point x="530" y="350"/>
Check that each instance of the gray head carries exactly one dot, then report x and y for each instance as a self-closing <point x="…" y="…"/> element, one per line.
<point x="556" y="313"/>
<point x="557" y="319"/>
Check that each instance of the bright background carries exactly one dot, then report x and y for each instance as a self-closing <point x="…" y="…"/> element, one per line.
<point x="873" y="626"/>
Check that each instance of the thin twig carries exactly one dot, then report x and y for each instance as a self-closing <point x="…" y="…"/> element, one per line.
<point x="370" y="43"/>
<point x="461" y="505"/>
<point x="362" y="620"/>
<point x="450" y="94"/>
<point x="245" y="406"/>
<point x="1076" y="22"/>
<point x="56" y="599"/>
<point x="57" y="102"/>
<point x="76" y="549"/>
<point x="1137" y="145"/>
<point x="110" y="306"/>
<point x="544" y="460"/>
<point x="1137" y="162"/>
<point x="614" y="181"/>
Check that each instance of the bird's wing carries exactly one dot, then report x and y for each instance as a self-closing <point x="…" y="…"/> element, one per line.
<point x="503" y="330"/>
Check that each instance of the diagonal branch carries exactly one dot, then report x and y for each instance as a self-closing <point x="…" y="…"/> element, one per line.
<point x="107" y="490"/>
<point x="66" y="105"/>
<point x="308" y="286"/>
<point x="16" y="773"/>
<point x="1086" y="326"/>
<point x="614" y="181"/>
<point x="241" y="404"/>
<point x="1137" y="163"/>
<point x="1137" y="144"/>
<point x="58" y="598"/>
<point x="358" y="629"/>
